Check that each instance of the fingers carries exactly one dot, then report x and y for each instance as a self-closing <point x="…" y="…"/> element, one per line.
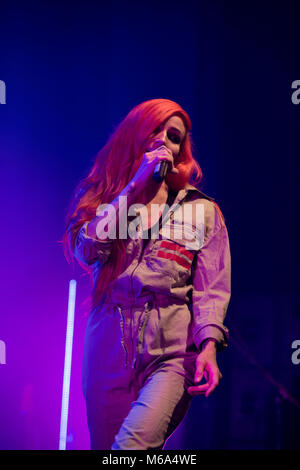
<point x="200" y="365"/>
<point x="212" y="377"/>
<point x="174" y="170"/>
<point x="163" y="153"/>
<point x="212" y="384"/>
<point x="206" y="388"/>
<point x="198" y="389"/>
<point x="168" y="157"/>
<point x="214" y="380"/>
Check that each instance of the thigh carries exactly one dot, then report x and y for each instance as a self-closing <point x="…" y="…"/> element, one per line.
<point x="159" y="408"/>
<point x="106" y="411"/>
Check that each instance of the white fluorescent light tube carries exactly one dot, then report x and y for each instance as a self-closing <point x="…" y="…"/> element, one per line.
<point x="67" y="367"/>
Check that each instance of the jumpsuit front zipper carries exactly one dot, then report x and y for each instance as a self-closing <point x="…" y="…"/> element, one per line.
<point x="133" y="364"/>
<point x="122" y="325"/>
<point x="144" y="318"/>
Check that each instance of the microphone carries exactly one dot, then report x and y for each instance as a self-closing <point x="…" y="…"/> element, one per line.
<point x="160" y="171"/>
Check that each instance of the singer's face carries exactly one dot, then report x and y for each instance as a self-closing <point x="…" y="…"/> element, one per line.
<point x="171" y="133"/>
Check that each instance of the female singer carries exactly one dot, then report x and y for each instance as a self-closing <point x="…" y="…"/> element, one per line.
<point x="158" y="253"/>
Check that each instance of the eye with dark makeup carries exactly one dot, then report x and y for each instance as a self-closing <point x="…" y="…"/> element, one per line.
<point x="174" y="137"/>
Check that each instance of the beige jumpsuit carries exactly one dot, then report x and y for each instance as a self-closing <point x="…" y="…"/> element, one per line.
<point x="142" y="341"/>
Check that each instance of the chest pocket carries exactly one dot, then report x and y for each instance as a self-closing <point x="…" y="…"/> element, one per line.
<point x="179" y="241"/>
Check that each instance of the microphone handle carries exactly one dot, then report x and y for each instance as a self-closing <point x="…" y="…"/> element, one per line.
<point x="160" y="171"/>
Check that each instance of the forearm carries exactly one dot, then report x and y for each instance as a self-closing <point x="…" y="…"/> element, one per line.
<point x="117" y="210"/>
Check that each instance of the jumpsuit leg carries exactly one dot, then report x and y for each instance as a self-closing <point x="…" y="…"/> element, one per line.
<point x="107" y="382"/>
<point x="159" y="408"/>
<point x="106" y="410"/>
<point x="129" y="408"/>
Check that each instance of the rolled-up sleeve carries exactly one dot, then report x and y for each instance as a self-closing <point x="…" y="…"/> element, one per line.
<point x="89" y="250"/>
<point x="212" y="285"/>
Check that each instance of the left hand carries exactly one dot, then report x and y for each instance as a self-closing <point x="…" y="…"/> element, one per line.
<point x="206" y="364"/>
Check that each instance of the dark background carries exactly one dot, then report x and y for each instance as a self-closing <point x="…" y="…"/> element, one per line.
<point x="72" y="72"/>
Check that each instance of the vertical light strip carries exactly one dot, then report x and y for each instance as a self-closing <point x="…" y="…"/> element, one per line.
<point x="67" y="367"/>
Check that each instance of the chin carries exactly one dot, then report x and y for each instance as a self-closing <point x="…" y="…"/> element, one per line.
<point x="176" y="182"/>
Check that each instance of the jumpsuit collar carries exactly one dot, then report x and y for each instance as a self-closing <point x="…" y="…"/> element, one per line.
<point x="188" y="187"/>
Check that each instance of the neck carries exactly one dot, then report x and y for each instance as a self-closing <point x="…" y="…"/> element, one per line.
<point x="158" y="192"/>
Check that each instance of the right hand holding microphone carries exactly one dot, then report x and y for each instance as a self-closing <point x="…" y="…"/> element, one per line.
<point x="152" y="163"/>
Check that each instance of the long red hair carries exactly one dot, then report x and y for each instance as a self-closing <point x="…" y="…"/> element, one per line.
<point x="114" y="166"/>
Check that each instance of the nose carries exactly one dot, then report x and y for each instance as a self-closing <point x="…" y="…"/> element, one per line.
<point x="160" y="139"/>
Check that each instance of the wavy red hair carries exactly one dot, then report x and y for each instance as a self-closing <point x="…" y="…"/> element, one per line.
<point x="113" y="168"/>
